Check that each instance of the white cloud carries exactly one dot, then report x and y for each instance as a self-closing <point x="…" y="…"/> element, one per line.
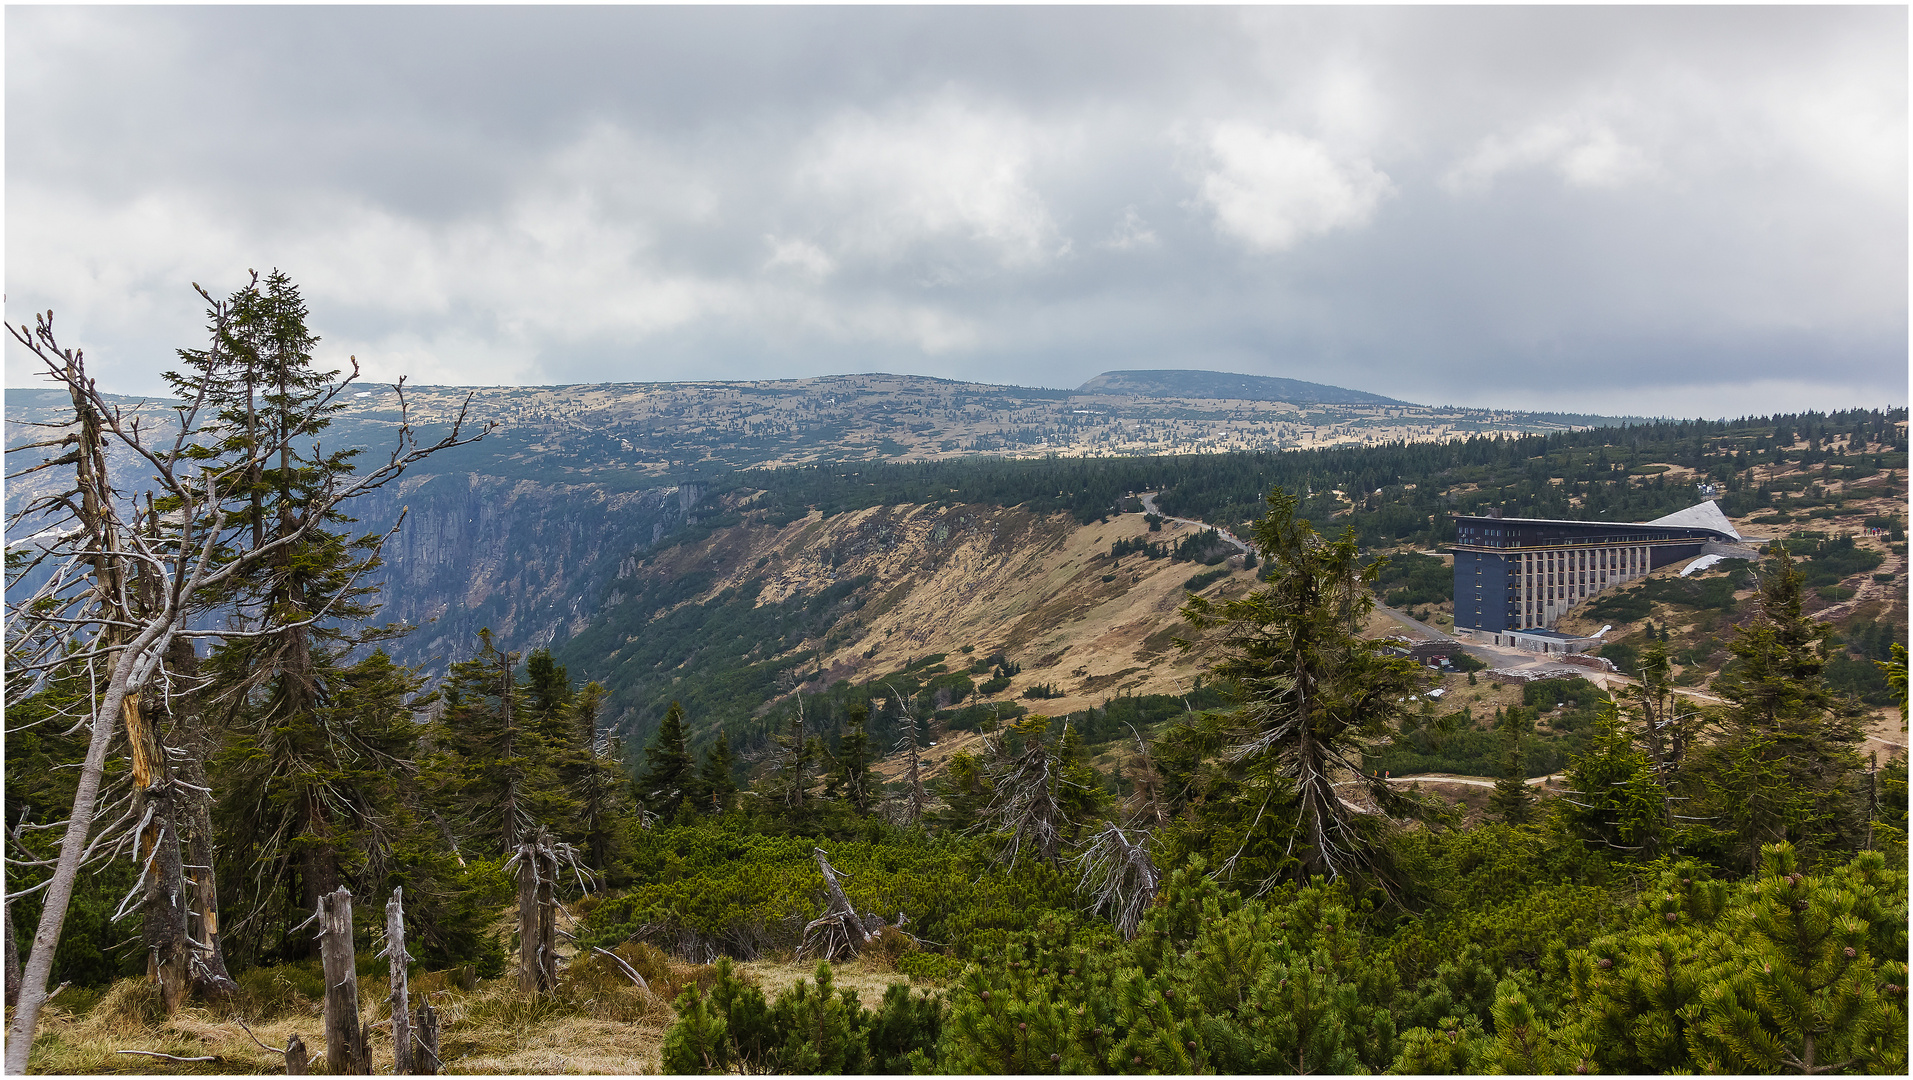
<point x="800" y="255"/>
<point x="733" y="193"/>
<point x="926" y="177"/>
<point x="1584" y="153"/>
<point x="1131" y="232"/>
<point x="1272" y="189"/>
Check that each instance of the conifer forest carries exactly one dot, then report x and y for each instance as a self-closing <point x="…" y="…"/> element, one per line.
<point x="718" y="778"/>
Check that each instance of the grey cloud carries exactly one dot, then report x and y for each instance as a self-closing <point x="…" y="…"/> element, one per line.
<point x="1702" y="204"/>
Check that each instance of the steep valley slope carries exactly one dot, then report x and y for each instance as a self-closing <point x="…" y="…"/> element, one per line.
<point x="809" y="602"/>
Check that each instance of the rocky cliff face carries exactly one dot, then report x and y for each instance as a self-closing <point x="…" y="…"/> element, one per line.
<point x="527" y="560"/>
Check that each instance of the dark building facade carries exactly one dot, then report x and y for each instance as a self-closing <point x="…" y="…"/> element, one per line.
<point x="1516" y="574"/>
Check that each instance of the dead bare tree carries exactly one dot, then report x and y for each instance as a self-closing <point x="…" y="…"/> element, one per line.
<point x="537" y="860"/>
<point x="1147" y="802"/>
<point x="294" y="1051"/>
<point x="119" y="584"/>
<point x="425" y="1022"/>
<point x="1118" y="876"/>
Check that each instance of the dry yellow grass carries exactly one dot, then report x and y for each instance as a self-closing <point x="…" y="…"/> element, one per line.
<point x="596" y="1022"/>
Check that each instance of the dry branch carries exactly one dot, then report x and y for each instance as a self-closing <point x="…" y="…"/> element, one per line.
<point x="169" y="1057"/>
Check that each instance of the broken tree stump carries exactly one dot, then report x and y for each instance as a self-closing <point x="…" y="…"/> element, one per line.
<point x="295" y="1052"/>
<point x="346" y="1050"/>
<point x="401" y="1001"/>
<point x="840" y="930"/>
<point x="425" y="1032"/>
<point x="537" y="860"/>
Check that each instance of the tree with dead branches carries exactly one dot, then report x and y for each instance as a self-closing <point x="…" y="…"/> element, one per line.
<point x="1311" y="693"/>
<point x="910" y="742"/>
<point x="1039" y="792"/>
<point x="113" y="584"/>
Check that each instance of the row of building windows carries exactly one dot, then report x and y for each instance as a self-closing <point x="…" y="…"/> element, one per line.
<point x="1547" y="583"/>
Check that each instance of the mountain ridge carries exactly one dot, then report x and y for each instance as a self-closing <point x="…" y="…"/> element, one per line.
<point x="1227" y="386"/>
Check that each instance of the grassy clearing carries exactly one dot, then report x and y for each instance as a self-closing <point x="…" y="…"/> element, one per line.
<point x="597" y="1021"/>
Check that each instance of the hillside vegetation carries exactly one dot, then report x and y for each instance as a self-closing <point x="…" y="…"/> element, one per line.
<point x="948" y="766"/>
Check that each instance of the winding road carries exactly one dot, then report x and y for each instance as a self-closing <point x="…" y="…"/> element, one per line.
<point x="1149" y="507"/>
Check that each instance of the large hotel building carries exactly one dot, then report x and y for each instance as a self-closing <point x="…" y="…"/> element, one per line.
<point x="1514" y="577"/>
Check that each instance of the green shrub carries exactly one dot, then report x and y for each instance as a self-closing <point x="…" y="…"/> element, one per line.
<point x="812" y="1028"/>
<point x="1198" y="582"/>
<point x="719" y="885"/>
<point x="936" y="967"/>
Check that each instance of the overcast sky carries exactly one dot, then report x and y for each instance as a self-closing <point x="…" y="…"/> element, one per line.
<point x="1641" y="210"/>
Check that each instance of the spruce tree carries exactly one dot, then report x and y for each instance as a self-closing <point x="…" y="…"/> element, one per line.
<point x="492" y="773"/>
<point x="1786" y="768"/>
<point x="670" y="774"/>
<point x="1613" y="797"/>
<point x="718" y="788"/>
<point x="790" y="785"/>
<point x="858" y="785"/>
<point x="1312" y="693"/>
<point x="1080" y="790"/>
<point x="599" y="783"/>
<point x="1513" y="800"/>
<point x="305" y="779"/>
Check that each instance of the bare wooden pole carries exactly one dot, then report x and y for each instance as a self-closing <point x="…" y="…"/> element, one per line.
<point x="346" y="1052"/>
<point x="401" y="1001"/>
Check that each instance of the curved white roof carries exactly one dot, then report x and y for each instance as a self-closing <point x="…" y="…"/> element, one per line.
<point x="1707" y="515"/>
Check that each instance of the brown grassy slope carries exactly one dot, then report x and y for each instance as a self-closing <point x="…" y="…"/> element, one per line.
<point x="1031" y="585"/>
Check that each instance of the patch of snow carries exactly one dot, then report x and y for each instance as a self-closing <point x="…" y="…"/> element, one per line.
<point x="1700" y="564"/>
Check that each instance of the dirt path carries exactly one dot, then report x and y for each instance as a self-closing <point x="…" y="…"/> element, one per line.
<point x="1414" y="624"/>
<point x="1471" y="781"/>
<point x="1149" y="506"/>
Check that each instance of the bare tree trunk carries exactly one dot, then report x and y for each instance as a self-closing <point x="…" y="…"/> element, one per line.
<point x="156" y="802"/>
<point x="295" y="1056"/>
<point x="346" y="1052"/>
<point x="66" y="873"/>
<point x="208" y="976"/>
<point x="401" y="1000"/>
<point x="169" y="953"/>
<point x="547" y="914"/>
<point x="13" y="959"/>
<point x="913" y="773"/>
<point x="507" y="688"/>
